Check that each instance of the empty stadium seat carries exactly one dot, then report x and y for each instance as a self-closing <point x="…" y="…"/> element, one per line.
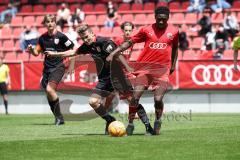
<point x="101" y="19"/>
<point x="150" y="6"/>
<point x="91" y="19"/>
<point x="150" y="19"/>
<point x="73" y="7"/>
<point x="236" y="5"/>
<point x="29" y="20"/>
<point x="2" y="8"/>
<point x="10" y="56"/>
<point x="136" y="7"/>
<point x="16" y="32"/>
<point x="190" y="18"/>
<point x="174" y="6"/>
<point x="95" y="30"/>
<point x="39" y="20"/>
<point x="23" y="56"/>
<point x="8" y="45"/>
<point x="87" y="8"/>
<point x="196" y="43"/>
<point x="106" y="32"/>
<point x="16" y="21"/>
<point x="140" y="19"/>
<point x="177" y="18"/>
<point x="38" y="8"/>
<point x="217" y="18"/>
<point x="127" y="17"/>
<point x="42" y="30"/>
<point x="6" y="33"/>
<point x="100" y="8"/>
<point x="51" y="8"/>
<point x="117" y="32"/>
<point x="185" y="5"/>
<point x="124" y="7"/>
<point x="26" y="9"/>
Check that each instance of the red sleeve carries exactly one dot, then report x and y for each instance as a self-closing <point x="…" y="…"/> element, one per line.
<point x="175" y="39"/>
<point x="118" y="40"/>
<point x="139" y="37"/>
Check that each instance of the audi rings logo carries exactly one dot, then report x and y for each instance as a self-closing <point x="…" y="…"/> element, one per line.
<point x="154" y="45"/>
<point x="214" y="75"/>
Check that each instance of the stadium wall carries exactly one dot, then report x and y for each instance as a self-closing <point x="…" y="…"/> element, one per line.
<point x="180" y="101"/>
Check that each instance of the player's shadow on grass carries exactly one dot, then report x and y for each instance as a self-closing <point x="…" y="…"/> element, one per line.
<point x="42" y="124"/>
<point x="96" y="134"/>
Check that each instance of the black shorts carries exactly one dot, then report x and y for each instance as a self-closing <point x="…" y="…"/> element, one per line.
<point x="3" y="88"/>
<point x="52" y="75"/>
<point x="104" y="87"/>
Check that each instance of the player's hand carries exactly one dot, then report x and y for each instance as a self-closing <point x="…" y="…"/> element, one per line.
<point x="30" y="48"/>
<point x="130" y="69"/>
<point x="109" y="58"/>
<point x="9" y="87"/>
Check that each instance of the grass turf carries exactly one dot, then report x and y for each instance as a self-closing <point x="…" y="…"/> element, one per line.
<point x="204" y="136"/>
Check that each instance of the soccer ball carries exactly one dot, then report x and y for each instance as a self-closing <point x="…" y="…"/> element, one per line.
<point x="116" y="129"/>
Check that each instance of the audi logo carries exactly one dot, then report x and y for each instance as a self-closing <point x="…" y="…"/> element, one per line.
<point x="154" y="45"/>
<point x="214" y="75"/>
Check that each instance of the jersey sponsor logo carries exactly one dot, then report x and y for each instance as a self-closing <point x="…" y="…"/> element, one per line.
<point x="109" y="48"/>
<point x="150" y="33"/>
<point x="157" y="45"/>
<point x="68" y="43"/>
<point x="214" y="75"/>
<point x="56" y="40"/>
<point x="170" y="36"/>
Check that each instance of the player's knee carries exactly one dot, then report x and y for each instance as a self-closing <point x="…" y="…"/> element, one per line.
<point x="158" y="104"/>
<point x="93" y="102"/>
<point x="50" y="90"/>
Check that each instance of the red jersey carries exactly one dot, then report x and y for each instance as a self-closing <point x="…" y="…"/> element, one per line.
<point x="158" y="44"/>
<point x="126" y="53"/>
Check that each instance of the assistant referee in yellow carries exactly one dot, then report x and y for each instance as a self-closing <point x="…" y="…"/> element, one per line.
<point x="4" y="83"/>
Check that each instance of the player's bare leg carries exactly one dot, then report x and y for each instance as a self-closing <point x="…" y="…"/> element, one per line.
<point x="5" y="101"/>
<point x="95" y="101"/>
<point x="53" y="101"/>
<point x="159" y="106"/>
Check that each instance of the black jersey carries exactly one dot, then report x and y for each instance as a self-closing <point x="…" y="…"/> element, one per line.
<point x="99" y="51"/>
<point x="59" y="43"/>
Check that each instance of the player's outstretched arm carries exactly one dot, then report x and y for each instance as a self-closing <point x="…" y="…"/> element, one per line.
<point x="125" y="64"/>
<point x="32" y="50"/>
<point x="69" y="53"/>
<point x="124" y="46"/>
<point x="235" y="57"/>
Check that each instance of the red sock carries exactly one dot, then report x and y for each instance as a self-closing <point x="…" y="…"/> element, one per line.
<point x="132" y="113"/>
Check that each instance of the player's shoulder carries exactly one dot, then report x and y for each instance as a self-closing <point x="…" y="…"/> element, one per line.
<point x="60" y="34"/>
<point x="100" y="39"/>
<point x="45" y="34"/>
<point x="118" y="40"/>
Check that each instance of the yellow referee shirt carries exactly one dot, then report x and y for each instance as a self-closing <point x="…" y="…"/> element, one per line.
<point x="4" y="72"/>
<point x="236" y="43"/>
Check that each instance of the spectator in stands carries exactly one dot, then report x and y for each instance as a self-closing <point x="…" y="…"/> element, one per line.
<point x="196" y="6"/>
<point x="10" y="12"/>
<point x="4" y="83"/>
<point x="220" y="5"/>
<point x="72" y="35"/>
<point x="231" y="25"/>
<point x="63" y="16"/>
<point x="221" y="39"/>
<point x="183" y="42"/>
<point x="77" y="18"/>
<point x="205" y="24"/>
<point x="209" y="40"/>
<point x="28" y="36"/>
<point x="111" y="16"/>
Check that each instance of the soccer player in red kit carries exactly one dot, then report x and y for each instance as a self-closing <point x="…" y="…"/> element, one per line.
<point x="157" y="60"/>
<point x="127" y="29"/>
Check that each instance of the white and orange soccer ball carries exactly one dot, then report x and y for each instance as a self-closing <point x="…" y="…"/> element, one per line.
<point x="116" y="129"/>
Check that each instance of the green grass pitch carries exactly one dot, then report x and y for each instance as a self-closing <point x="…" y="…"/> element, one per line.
<point x="203" y="137"/>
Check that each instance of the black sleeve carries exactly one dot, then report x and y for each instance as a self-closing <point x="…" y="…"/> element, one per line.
<point x="109" y="46"/>
<point x="40" y="44"/>
<point x="83" y="49"/>
<point x="66" y="42"/>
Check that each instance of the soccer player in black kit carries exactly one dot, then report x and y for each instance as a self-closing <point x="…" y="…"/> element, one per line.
<point x="110" y="76"/>
<point x="54" y="68"/>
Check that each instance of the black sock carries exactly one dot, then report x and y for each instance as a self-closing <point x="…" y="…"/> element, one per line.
<point x="6" y="105"/>
<point x="143" y="115"/>
<point x="102" y="112"/>
<point x="55" y="108"/>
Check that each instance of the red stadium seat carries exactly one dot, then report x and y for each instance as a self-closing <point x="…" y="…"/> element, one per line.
<point x="47" y="1"/>
<point x="106" y="32"/>
<point x="217" y="18"/>
<point x="16" y="32"/>
<point x="8" y="45"/>
<point x="124" y="7"/>
<point x="190" y="55"/>
<point x="101" y="19"/>
<point x="87" y="8"/>
<point x="51" y="8"/>
<point x="95" y="30"/>
<point x="137" y="7"/>
<point x="177" y="18"/>
<point x="150" y="6"/>
<point x="73" y="7"/>
<point x="127" y="17"/>
<point x="174" y="6"/>
<point x="150" y="19"/>
<point x="91" y="19"/>
<point x="162" y="4"/>
<point x="26" y="9"/>
<point x="190" y="18"/>
<point x="17" y="46"/>
<point x="236" y="5"/>
<point x="29" y="20"/>
<point x="42" y="30"/>
<point x="23" y="56"/>
<point x="59" y="1"/>
<point x="24" y="1"/>
<point x="196" y="43"/>
<point x="10" y="56"/>
<point x="16" y="21"/>
<point x="117" y="32"/>
<point x="2" y="8"/>
<point x="6" y="33"/>
<point x="39" y="20"/>
<point x="100" y="8"/>
<point x="38" y="8"/>
<point x="140" y="19"/>
<point x="185" y="5"/>
<point x="228" y="54"/>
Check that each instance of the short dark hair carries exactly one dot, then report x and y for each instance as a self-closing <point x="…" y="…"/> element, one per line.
<point x="162" y="10"/>
<point x="83" y="28"/>
<point x="49" y="16"/>
<point x="127" y="24"/>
